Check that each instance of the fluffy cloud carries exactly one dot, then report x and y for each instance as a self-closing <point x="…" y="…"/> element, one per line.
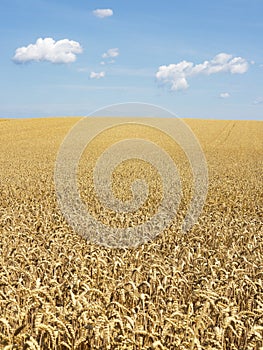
<point x="102" y="13"/>
<point x="99" y="75"/>
<point x="224" y="95"/>
<point x="175" y="75"/>
<point x="258" y="101"/>
<point x="61" y="51"/>
<point x="111" y="53"/>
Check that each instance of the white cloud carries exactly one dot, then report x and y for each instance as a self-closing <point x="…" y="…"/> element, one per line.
<point x="94" y="75"/>
<point x="83" y="70"/>
<point x="61" y="51"/>
<point x="224" y="95"/>
<point x="102" y="13"/>
<point x="258" y="101"/>
<point x="175" y="75"/>
<point x="111" y="53"/>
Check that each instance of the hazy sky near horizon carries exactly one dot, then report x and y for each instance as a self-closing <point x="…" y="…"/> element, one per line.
<point x="70" y="57"/>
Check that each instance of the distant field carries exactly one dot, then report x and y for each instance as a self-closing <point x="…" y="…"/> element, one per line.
<point x="197" y="290"/>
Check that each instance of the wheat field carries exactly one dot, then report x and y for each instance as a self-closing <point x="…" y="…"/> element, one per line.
<point x="190" y="291"/>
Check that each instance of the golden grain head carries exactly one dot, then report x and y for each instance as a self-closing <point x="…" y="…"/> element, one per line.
<point x="196" y="290"/>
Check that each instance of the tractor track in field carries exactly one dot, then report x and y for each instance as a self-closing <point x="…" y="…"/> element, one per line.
<point x="224" y="135"/>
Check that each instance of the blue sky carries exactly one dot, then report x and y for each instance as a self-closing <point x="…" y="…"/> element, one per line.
<point x="196" y="58"/>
